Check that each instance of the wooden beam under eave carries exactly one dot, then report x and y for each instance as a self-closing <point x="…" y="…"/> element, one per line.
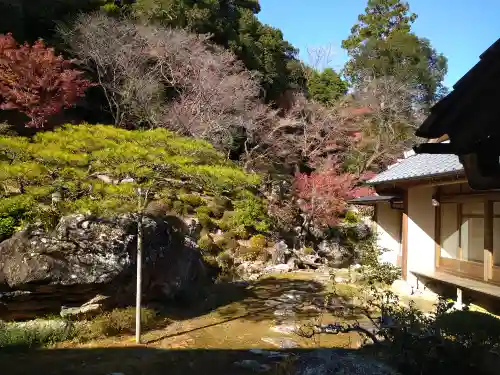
<point x="404" y="239"/>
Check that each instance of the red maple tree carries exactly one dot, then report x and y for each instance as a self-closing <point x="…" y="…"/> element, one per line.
<point x="323" y="194"/>
<point x="36" y="81"/>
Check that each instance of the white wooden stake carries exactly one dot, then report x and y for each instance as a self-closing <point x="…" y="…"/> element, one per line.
<point x="139" y="275"/>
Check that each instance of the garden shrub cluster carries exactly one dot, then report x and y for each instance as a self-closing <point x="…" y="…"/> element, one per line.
<point x="35" y="333"/>
<point x="120" y="321"/>
<point x="87" y="165"/>
<point x="456" y="342"/>
<point x="253" y="253"/>
<point x="42" y="332"/>
<point x="258" y="241"/>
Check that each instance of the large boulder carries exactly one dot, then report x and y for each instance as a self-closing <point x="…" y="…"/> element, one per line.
<point x="280" y="253"/>
<point x="336" y="255"/>
<point x="85" y="257"/>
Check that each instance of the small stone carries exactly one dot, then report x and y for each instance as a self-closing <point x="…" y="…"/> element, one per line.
<point x="281" y="342"/>
<point x="284" y="313"/>
<point x="285" y="329"/>
<point x="340" y="280"/>
<point x="311" y="308"/>
<point x="279" y="268"/>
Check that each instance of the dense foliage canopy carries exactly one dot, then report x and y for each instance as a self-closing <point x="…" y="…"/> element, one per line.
<point x="234" y="25"/>
<point x="96" y="168"/>
<point x="209" y="70"/>
<point x="326" y="87"/>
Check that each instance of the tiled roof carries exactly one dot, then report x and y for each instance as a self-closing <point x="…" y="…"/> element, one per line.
<point x="420" y="166"/>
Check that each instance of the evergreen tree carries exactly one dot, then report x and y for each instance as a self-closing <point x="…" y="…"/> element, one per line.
<point x="382" y="44"/>
<point x="326" y="87"/>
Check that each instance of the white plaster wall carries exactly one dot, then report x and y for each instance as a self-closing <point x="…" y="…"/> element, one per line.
<point x="421" y="224"/>
<point x="388" y="228"/>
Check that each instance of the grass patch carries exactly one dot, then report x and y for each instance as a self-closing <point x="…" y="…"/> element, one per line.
<point x="45" y="332"/>
<point x="118" y="322"/>
<point x="36" y="333"/>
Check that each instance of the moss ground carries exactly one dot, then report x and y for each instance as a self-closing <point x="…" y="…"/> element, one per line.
<point x="207" y="338"/>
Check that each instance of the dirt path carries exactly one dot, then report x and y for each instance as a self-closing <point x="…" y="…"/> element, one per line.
<point x="238" y="329"/>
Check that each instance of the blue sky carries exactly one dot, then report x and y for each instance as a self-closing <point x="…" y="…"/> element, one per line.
<point x="460" y="29"/>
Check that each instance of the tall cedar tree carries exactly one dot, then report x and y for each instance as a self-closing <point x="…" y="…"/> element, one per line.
<point x="382" y="43"/>
<point x="37" y="82"/>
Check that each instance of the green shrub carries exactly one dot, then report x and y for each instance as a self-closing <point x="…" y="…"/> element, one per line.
<point x="240" y="232"/>
<point x="157" y="208"/>
<point x="219" y="206"/>
<point x="178" y="207"/>
<point x="258" y="241"/>
<point x="191" y="200"/>
<point x="168" y="202"/>
<point x="36" y="333"/>
<point x="205" y="221"/>
<point x="308" y="250"/>
<point x="457" y="342"/>
<point x="71" y="150"/>
<point x="187" y="210"/>
<point x="203" y="215"/>
<point x="202" y="210"/>
<point x="210" y="261"/>
<point x="207" y="244"/>
<point x="223" y="202"/>
<point x="251" y="212"/>
<point x="380" y="273"/>
<point x="252" y="253"/>
<point x="227" y="242"/>
<point x="225" y="261"/>
<point x="7" y="227"/>
<point x="216" y="211"/>
<point x="121" y="321"/>
<point x="351" y="217"/>
<point x="471" y="328"/>
<point x="226" y="222"/>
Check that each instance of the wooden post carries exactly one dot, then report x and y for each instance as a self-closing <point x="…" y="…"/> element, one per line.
<point x="459" y="229"/>
<point x="488" y="240"/>
<point x="459" y="304"/>
<point x="404" y="239"/>
<point x="437" y="237"/>
<point x="437" y="232"/>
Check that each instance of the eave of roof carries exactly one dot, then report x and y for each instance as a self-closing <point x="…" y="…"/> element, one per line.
<point x="373" y="199"/>
<point x="420" y="166"/>
<point x="444" y="114"/>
